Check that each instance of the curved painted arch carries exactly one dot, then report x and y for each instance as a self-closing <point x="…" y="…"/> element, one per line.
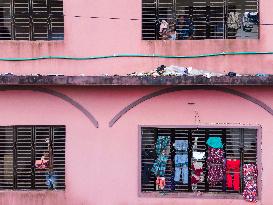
<point x="177" y="88"/>
<point x="57" y="94"/>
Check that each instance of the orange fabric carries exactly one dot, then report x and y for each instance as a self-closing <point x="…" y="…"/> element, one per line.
<point x="161" y="182"/>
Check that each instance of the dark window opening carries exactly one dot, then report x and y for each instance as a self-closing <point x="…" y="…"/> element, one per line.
<point x="195" y="167"/>
<point x="31" y="20"/>
<point x="199" y="19"/>
<point x="32" y="157"/>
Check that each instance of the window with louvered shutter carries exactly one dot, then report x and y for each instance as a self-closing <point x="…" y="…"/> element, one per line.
<point x="203" y="19"/>
<point x="238" y="145"/>
<point x="31" y="20"/>
<point x="21" y="151"/>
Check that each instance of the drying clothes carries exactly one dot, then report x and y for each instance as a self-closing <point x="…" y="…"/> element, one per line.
<point x="233" y="168"/>
<point x="181" y="167"/>
<point x="161" y="145"/>
<point x="181" y="145"/>
<point x="197" y="174"/>
<point x="215" y="142"/>
<point x="233" y="20"/>
<point x="215" y="174"/>
<point x="215" y="156"/>
<point x="163" y="25"/>
<point x="250" y="180"/>
<point x="51" y="180"/>
<point x="159" y="166"/>
<point x="160" y="182"/>
<point x="215" y="164"/>
<point x="198" y="155"/>
<point x="197" y="168"/>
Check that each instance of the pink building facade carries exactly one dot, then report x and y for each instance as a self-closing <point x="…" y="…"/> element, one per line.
<point x="103" y="113"/>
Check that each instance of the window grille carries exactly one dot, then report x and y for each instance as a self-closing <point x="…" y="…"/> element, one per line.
<point x="31" y="20"/>
<point x="203" y="19"/>
<point x="238" y="144"/>
<point x="21" y="151"/>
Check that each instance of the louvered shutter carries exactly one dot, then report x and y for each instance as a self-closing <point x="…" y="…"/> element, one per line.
<point x="7" y="149"/>
<point x="58" y="144"/>
<point x="240" y="144"/>
<point x="31" y="20"/>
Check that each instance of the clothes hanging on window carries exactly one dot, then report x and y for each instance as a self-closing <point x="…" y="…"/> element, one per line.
<point x="181" y="167"/>
<point x="181" y="161"/>
<point x="197" y="174"/>
<point x="233" y="169"/>
<point x="215" y="164"/>
<point x="198" y="155"/>
<point x="215" y="142"/>
<point x="160" y="182"/>
<point x="181" y="145"/>
<point x="159" y="166"/>
<point x="250" y="181"/>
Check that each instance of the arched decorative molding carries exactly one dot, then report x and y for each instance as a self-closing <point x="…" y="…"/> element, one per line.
<point x="57" y="94"/>
<point x="183" y="88"/>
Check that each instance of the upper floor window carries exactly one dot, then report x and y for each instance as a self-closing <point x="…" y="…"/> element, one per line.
<point x="31" y="20"/>
<point x="199" y="160"/>
<point x="199" y="19"/>
<point x="32" y="157"/>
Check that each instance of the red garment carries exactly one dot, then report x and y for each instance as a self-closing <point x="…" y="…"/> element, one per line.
<point x="161" y="182"/>
<point x="233" y="166"/>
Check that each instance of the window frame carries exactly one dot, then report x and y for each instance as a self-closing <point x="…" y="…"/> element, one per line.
<point x="225" y="25"/>
<point x="49" y="16"/>
<point x="202" y="195"/>
<point x="33" y="159"/>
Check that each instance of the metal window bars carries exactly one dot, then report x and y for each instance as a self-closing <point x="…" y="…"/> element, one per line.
<point x="31" y="20"/>
<point x="210" y="19"/>
<point x="21" y="147"/>
<point x="238" y="144"/>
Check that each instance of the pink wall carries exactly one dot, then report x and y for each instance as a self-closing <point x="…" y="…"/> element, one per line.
<point x="102" y="164"/>
<point x="86" y="37"/>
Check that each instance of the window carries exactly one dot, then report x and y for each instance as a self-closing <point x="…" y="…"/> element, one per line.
<point x="31" y="20"/>
<point x="32" y="157"/>
<point x="199" y="19"/>
<point x="177" y="160"/>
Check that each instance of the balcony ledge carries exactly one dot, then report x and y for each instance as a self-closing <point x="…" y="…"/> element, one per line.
<point x="134" y="80"/>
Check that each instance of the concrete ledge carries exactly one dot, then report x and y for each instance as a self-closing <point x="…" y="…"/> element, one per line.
<point x="134" y="80"/>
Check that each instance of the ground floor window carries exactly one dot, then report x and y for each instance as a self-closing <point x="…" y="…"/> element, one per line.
<point x="214" y="160"/>
<point x="32" y="157"/>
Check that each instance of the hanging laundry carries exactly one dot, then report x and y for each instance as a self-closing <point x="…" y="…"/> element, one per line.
<point x="160" y="183"/>
<point x="250" y="181"/>
<point x="197" y="175"/>
<point x="159" y="166"/>
<point x="51" y="180"/>
<point x="181" y="161"/>
<point x="215" y="142"/>
<point x="215" y="164"/>
<point x="181" y="167"/>
<point x="233" y="169"/>
<point x="198" y="155"/>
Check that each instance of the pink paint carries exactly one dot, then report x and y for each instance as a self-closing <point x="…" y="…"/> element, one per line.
<point x="102" y="36"/>
<point x="88" y="179"/>
<point x="102" y="164"/>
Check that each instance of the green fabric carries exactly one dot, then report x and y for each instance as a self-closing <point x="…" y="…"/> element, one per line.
<point x="215" y="142"/>
<point x="159" y="166"/>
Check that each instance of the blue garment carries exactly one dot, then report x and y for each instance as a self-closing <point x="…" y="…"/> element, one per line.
<point x="186" y="31"/>
<point x="181" y="145"/>
<point x="51" y="180"/>
<point x="181" y="167"/>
